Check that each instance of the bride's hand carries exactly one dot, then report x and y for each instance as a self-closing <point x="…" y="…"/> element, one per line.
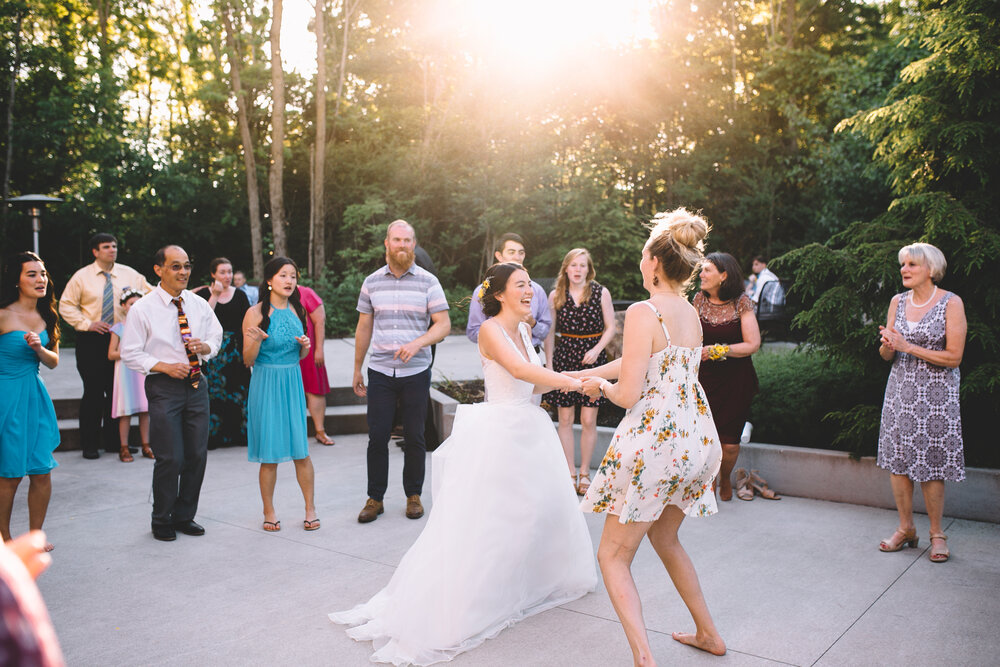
<point x="592" y="387"/>
<point x="578" y="375"/>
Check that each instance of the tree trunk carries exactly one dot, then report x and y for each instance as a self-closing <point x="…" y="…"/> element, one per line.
<point x="253" y="192"/>
<point x="349" y="9"/>
<point x="317" y="213"/>
<point x="275" y="179"/>
<point x="14" y="68"/>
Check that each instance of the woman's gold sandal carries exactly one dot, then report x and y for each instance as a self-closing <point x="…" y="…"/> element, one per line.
<point x="760" y="486"/>
<point x="583" y="483"/>
<point x="743" y="490"/>
<point x="939" y="555"/>
<point x="908" y="539"/>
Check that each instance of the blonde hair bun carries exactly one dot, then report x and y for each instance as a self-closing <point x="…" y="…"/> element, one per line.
<point x="677" y="239"/>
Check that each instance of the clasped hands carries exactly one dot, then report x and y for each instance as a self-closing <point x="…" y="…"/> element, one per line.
<point x="259" y="335"/>
<point x="590" y="385"/>
<point x="893" y="340"/>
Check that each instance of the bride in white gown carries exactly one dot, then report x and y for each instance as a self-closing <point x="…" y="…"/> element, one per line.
<point x="505" y="537"/>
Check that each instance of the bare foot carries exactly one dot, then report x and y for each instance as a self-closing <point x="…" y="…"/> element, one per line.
<point x="713" y="645"/>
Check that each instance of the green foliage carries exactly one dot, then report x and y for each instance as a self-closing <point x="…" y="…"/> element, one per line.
<point x="936" y="137"/>
<point x="800" y="389"/>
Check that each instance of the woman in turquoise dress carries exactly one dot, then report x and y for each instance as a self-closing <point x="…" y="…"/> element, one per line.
<point x="29" y="334"/>
<point x="274" y="340"/>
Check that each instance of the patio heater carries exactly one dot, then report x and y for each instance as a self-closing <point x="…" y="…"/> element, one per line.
<point x="34" y="204"/>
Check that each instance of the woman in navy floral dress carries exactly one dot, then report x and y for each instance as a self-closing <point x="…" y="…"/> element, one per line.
<point x="585" y="324"/>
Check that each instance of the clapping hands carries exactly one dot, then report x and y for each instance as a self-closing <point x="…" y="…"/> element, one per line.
<point x="892" y="339"/>
<point x="256" y="334"/>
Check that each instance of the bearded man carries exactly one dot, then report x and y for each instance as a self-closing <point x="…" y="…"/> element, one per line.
<point x="396" y="306"/>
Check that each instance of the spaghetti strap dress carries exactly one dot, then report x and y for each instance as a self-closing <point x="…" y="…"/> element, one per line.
<point x="504" y="539"/>
<point x="29" y="432"/>
<point x="666" y="450"/>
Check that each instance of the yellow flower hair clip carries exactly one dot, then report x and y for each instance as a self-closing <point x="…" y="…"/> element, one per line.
<point x="482" y="289"/>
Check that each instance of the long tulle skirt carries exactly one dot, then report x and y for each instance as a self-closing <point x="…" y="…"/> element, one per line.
<point x="505" y="540"/>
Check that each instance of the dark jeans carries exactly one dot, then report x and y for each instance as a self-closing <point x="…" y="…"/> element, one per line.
<point x="98" y="375"/>
<point x="412" y="394"/>
<point x="178" y="435"/>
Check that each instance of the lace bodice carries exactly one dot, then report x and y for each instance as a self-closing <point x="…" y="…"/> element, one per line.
<point x="721" y="313"/>
<point x="280" y="347"/>
<point x="501" y="386"/>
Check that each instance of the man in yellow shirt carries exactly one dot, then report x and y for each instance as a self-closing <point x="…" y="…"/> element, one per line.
<point x="90" y="305"/>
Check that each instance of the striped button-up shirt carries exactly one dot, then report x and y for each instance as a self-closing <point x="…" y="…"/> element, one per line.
<point x="401" y="309"/>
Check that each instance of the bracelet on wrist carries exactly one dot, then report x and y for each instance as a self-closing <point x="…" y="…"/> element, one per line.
<point x="603" y="388"/>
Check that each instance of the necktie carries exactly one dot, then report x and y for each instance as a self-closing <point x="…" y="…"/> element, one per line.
<point x="108" y="300"/>
<point x="182" y="320"/>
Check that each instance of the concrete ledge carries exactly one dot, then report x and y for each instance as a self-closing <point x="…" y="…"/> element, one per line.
<point x="819" y="474"/>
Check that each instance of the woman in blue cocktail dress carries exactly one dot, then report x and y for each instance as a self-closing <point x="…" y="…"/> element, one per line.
<point x="29" y="334"/>
<point x="274" y="340"/>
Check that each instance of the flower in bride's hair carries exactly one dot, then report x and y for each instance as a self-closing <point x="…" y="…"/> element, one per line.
<point x="482" y="290"/>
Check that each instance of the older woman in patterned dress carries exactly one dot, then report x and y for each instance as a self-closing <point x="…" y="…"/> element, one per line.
<point x="920" y="439"/>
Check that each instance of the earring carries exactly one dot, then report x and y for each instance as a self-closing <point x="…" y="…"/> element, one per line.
<point x="656" y="280"/>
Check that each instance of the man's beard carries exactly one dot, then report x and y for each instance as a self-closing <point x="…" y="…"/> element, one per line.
<point x="401" y="259"/>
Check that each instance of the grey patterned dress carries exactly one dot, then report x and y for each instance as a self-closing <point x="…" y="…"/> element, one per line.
<point x="921" y="433"/>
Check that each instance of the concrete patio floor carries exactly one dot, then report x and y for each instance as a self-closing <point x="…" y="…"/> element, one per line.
<point x="797" y="581"/>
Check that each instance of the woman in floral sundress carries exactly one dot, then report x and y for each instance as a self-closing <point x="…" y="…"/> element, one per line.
<point x="665" y="453"/>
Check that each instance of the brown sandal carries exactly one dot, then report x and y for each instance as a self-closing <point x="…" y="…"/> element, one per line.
<point x="323" y="439"/>
<point x="147" y="452"/>
<point x="124" y="455"/>
<point x="583" y="483"/>
<point x="906" y="539"/>
<point x="743" y="490"/>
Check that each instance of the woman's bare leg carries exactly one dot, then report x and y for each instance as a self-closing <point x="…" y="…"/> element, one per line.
<point x="306" y="476"/>
<point x="663" y="537"/>
<point x="619" y="543"/>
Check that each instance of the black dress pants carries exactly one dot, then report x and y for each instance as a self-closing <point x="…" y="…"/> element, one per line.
<point x="178" y="436"/>
<point x="98" y="375"/>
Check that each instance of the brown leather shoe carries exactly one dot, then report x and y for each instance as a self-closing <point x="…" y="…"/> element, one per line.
<point x="371" y="511"/>
<point x="414" y="510"/>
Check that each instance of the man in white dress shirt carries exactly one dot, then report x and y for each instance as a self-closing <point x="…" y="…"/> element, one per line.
<point x="168" y="333"/>
<point x="764" y="276"/>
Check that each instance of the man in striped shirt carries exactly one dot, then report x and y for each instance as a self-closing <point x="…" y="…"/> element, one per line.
<point x="402" y="311"/>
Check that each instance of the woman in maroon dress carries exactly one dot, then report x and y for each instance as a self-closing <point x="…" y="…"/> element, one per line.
<point x="731" y="335"/>
<point x="314" y="378"/>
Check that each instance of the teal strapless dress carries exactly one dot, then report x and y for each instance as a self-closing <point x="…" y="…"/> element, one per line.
<point x="29" y="432"/>
<point x="276" y="404"/>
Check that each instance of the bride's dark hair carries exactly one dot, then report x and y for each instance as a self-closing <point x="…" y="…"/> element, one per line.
<point x="494" y="283"/>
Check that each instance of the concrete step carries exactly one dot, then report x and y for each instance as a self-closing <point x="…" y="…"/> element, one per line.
<point x="345" y="413"/>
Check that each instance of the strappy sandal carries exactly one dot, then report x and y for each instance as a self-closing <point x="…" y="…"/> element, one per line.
<point x="272" y="526"/>
<point x="938" y="555"/>
<point x="583" y="483"/>
<point x="743" y="489"/>
<point x="311" y="524"/>
<point x="124" y="455"/>
<point x="147" y="452"/>
<point x="323" y="439"/>
<point x="906" y="539"/>
<point x="760" y="486"/>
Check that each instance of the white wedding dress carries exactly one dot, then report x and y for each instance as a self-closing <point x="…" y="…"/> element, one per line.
<point x="505" y="537"/>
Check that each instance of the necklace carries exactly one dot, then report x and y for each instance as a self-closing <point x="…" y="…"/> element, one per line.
<point x="921" y="305"/>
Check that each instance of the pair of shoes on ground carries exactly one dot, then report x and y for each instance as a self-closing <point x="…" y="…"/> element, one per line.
<point x="749" y="483"/>
<point x="125" y="453"/>
<point x="372" y="508"/>
<point x="168" y="533"/>
<point x="908" y="538"/>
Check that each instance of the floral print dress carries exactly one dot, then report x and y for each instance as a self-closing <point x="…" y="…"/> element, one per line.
<point x="666" y="450"/>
